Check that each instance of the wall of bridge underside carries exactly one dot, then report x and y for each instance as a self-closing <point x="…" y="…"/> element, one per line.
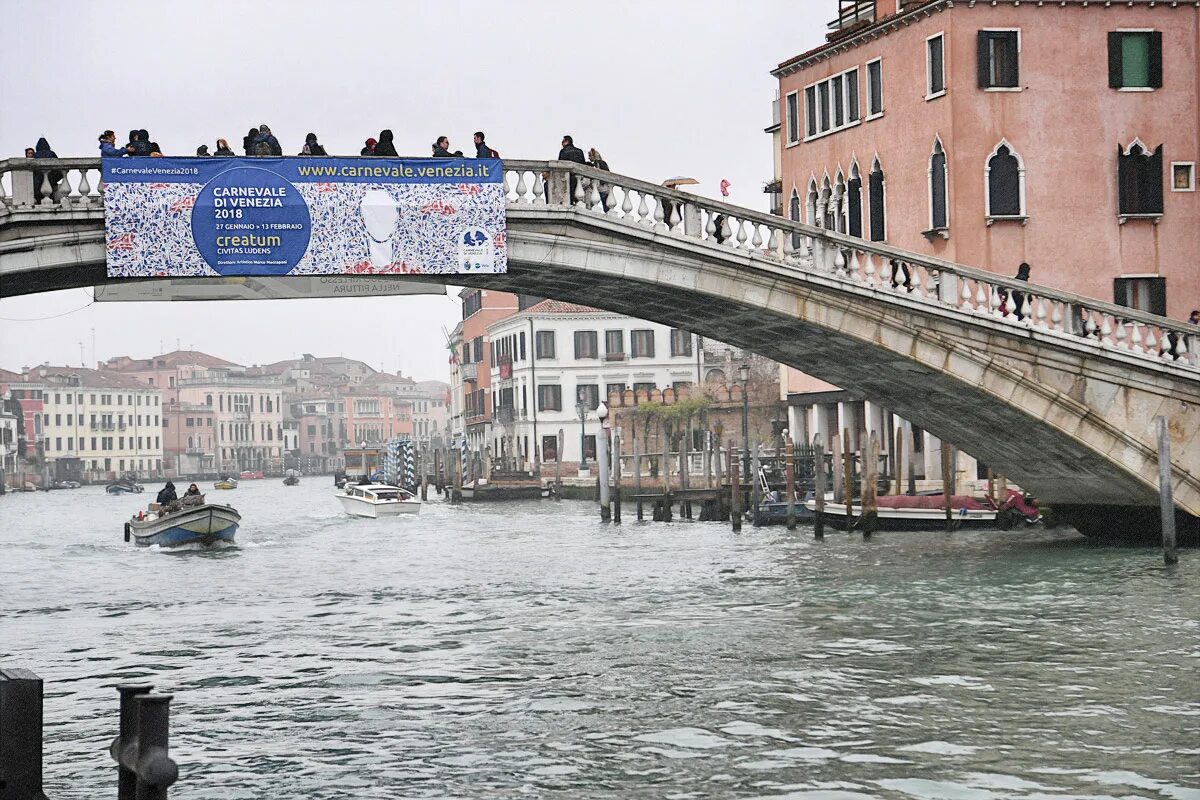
<point x="1070" y="422"/>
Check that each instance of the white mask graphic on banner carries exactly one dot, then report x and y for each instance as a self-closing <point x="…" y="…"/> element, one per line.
<point x="380" y="213"/>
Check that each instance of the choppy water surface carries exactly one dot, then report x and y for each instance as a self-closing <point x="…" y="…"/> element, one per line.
<point x="528" y="651"/>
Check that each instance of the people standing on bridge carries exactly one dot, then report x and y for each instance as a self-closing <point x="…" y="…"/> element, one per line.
<point x="441" y="148"/>
<point x="151" y="146"/>
<point x="137" y="147"/>
<point x="482" y="150"/>
<point x="385" y="146"/>
<point x="223" y="148"/>
<point x="108" y="146"/>
<point x="29" y="152"/>
<point x="202" y="150"/>
<point x="1018" y="298"/>
<point x="597" y="161"/>
<point x="248" y="141"/>
<point x="42" y="150"/>
<point x="312" y="147"/>
<point x="569" y="152"/>
<point x="368" y="147"/>
<point x="265" y="135"/>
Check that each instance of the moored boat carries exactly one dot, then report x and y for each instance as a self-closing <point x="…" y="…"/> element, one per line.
<point x="124" y="486"/>
<point x="928" y="512"/>
<point x="202" y="524"/>
<point x="251" y="475"/>
<point x="374" y="500"/>
<point x="291" y="478"/>
<point x="505" y="485"/>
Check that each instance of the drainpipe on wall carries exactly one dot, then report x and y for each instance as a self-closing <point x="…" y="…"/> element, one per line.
<point x="537" y="445"/>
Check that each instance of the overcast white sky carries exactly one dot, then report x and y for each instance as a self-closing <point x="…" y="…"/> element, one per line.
<point x="660" y="88"/>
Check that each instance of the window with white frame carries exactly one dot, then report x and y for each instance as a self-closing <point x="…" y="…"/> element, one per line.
<point x="1183" y="176"/>
<point x="1135" y="60"/>
<point x="998" y="55"/>
<point x="854" y="202"/>
<point x="874" y="88"/>
<point x="793" y="118"/>
<point x="939" y="212"/>
<point x="1004" y="178"/>
<point x="935" y="66"/>
<point x="1139" y="180"/>
<point x="876" y="196"/>
<point x="832" y="104"/>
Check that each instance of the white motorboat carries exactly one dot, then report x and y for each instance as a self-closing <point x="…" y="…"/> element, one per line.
<point x="376" y="500"/>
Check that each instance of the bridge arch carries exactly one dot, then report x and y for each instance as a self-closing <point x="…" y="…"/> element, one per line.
<point x="1061" y="393"/>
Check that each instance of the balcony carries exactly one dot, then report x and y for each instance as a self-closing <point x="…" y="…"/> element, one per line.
<point x="851" y="13"/>
<point x="470" y="372"/>
<point x="615" y="356"/>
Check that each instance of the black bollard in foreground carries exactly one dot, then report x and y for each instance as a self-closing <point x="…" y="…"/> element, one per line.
<point x="145" y="770"/>
<point x="20" y="735"/>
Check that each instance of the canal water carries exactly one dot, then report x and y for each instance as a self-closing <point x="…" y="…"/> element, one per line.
<point x="527" y="650"/>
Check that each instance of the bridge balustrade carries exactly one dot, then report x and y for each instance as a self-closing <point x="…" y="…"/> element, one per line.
<point x="26" y="190"/>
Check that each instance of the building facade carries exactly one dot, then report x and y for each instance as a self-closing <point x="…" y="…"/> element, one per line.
<point x="552" y="363"/>
<point x="481" y="308"/>
<point x="242" y="425"/>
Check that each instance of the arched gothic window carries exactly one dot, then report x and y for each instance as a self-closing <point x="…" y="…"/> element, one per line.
<point x="794" y="214"/>
<point x="1004" y="177"/>
<point x="854" y="202"/>
<point x="939" y="213"/>
<point x="877" y="196"/>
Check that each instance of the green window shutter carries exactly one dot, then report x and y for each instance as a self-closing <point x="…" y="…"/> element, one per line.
<point x="981" y="57"/>
<point x="1135" y="59"/>
<point x="1114" y="60"/>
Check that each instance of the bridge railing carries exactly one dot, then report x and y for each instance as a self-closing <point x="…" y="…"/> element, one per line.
<point x="30" y="185"/>
<point x="856" y="261"/>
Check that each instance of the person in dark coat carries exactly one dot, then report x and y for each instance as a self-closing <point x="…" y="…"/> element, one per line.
<point x="166" y="494"/>
<point x="312" y="147"/>
<point x="596" y="160"/>
<point x="570" y="152"/>
<point x="223" y="148"/>
<point x="202" y="150"/>
<point x="441" y="148"/>
<point x="248" y="141"/>
<point x="482" y="150"/>
<point x="1018" y="298"/>
<point x="385" y="147"/>
<point x="265" y="135"/>
<point x="42" y="150"/>
<point x="368" y="147"/>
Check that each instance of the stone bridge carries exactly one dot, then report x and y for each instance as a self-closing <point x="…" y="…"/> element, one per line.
<point x="1060" y="393"/>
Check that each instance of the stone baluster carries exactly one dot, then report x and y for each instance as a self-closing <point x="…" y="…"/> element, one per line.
<point x="1151" y="342"/>
<point x="1040" y="322"/>
<point x="915" y="286"/>
<point x="855" y="271"/>
<point x="1121" y="334"/>
<point x="741" y="234"/>
<point x="838" y="267"/>
<point x="539" y="190"/>
<point x="1026" y="310"/>
<point x="803" y="251"/>
<point x="710" y="227"/>
<point x="789" y="246"/>
<point x="627" y="206"/>
<point x="518" y="191"/>
<point x="659" y="215"/>
<point x="1089" y="325"/>
<point x="775" y="243"/>
<point x="1135" y="337"/>
<point x="579" y="195"/>
<point x="3" y="191"/>
<point x="593" y="200"/>
<point x="85" y="189"/>
<point x="643" y="212"/>
<point x="930" y="287"/>
<point x="756" y="241"/>
<point x="981" y="297"/>
<point x="1105" y="330"/>
<point x="869" y="270"/>
<point x="1180" y="346"/>
<point x="44" y="184"/>
<point x="62" y="195"/>
<point x="676" y="217"/>
<point x="614" y="208"/>
<point x="994" y="302"/>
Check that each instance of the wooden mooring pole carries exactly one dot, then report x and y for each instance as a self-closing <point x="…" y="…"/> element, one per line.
<point x="637" y="475"/>
<point x="616" y="471"/>
<point x="558" y="458"/>
<point x="789" y="467"/>
<point x="947" y="486"/>
<point x="848" y="475"/>
<point x="819" y="487"/>
<point x="735" y="491"/>
<point x="1166" y="503"/>
<point x="869" y="488"/>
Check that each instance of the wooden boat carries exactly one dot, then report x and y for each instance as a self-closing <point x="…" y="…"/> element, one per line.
<point x="124" y="486"/>
<point x="374" y="500"/>
<point x="201" y="524"/>
<point x="505" y="485"/>
<point x="912" y="512"/>
<point x="774" y="512"/>
<point x="226" y="483"/>
<point x="291" y="480"/>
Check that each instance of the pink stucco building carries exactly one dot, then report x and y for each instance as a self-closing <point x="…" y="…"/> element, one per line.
<point x="1060" y="134"/>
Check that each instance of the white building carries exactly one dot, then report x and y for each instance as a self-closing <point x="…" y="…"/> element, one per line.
<point x="551" y="357"/>
<point x="99" y="424"/>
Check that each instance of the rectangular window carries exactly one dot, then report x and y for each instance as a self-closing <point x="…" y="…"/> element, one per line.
<point x="935" y="67"/>
<point x="1183" y="179"/>
<point x="549" y="398"/>
<point x="810" y="110"/>
<point x="642" y="343"/>
<point x="839" y="110"/>
<point x="589" y="447"/>
<point x="793" y="118"/>
<point x="875" y="88"/>
<point x="614" y="345"/>
<point x="681" y="343"/>
<point x="472" y="302"/>
<point x="823" y="106"/>
<point x="1135" y="60"/>
<point x="549" y="448"/>
<point x="585" y="345"/>
<point x="522" y="345"/>
<point x="1144" y="294"/>
<point x="998" y="56"/>
<point x="477" y="349"/>
<point x="543" y="344"/>
<point x="588" y="394"/>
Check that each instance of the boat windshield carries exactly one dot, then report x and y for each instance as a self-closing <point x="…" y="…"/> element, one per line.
<point x="389" y="496"/>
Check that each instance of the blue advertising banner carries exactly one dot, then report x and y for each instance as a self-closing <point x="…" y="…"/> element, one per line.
<point x="192" y="217"/>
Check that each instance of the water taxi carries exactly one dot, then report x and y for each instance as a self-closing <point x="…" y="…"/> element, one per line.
<point x="374" y="500"/>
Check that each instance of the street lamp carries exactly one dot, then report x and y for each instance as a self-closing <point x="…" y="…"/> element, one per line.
<point x="581" y="408"/>
<point x="744" y="377"/>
